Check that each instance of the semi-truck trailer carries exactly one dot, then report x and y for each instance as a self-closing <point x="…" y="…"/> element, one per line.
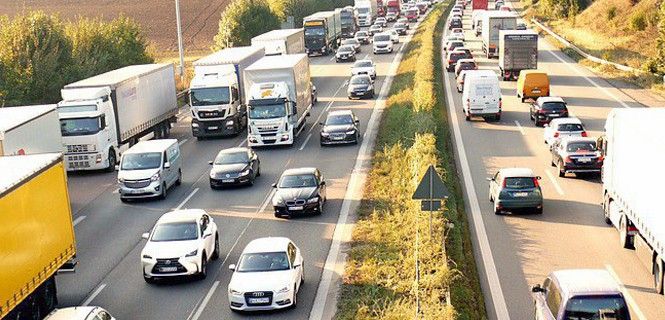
<point x="281" y="41"/>
<point x="632" y="182"/>
<point x="279" y="99"/>
<point x="29" y="129"/>
<point x="103" y="115"/>
<point x="349" y="24"/>
<point x="323" y="31"/>
<point x="36" y="234"/>
<point x="518" y="50"/>
<point x="493" y="22"/>
<point x="366" y="10"/>
<point x="216" y="94"/>
<point x="479" y="4"/>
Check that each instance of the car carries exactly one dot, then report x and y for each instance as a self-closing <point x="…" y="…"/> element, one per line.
<point x="457" y="30"/>
<point x="544" y="109"/>
<point x="515" y="188"/>
<point x="352" y="42"/>
<point x="394" y="36"/>
<point x="345" y="53"/>
<point x="422" y="7"/>
<point x="498" y="5"/>
<point x="450" y="38"/>
<point x="412" y="14"/>
<point x="452" y="58"/>
<point x="360" y="86"/>
<point x="405" y="21"/>
<point x="455" y="23"/>
<point x="382" y="43"/>
<point x="181" y="243"/>
<point x="580" y="294"/>
<point x="458" y="34"/>
<point x="267" y="276"/>
<point x="400" y="28"/>
<point x="391" y="16"/>
<point x="452" y="45"/>
<point x="299" y="191"/>
<point x="362" y="37"/>
<point x="532" y="84"/>
<point x="456" y="15"/>
<point x="80" y="313"/>
<point x="460" y="80"/>
<point x="458" y="7"/>
<point x="364" y="67"/>
<point x="457" y="12"/>
<point x="520" y="26"/>
<point x="464" y="64"/>
<point x="576" y="155"/>
<point x="374" y="29"/>
<point x="505" y="8"/>
<point x="340" y="127"/>
<point x="234" y="166"/>
<point x="563" y="127"/>
<point x="381" y="21"/>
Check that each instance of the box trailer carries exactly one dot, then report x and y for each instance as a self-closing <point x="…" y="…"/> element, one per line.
<point x="29" y="129"/>
<point x="518" y="50"/>
<point x="281" y="41"/>
<point x="348" y="21"/>
<point x="323" y="31"/>
<point x="493" y="22"/>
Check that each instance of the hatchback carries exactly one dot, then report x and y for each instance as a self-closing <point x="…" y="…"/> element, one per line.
<point x="515" y="188"/>
<point x="563" y="127"/>
<point x="576" y="155"/>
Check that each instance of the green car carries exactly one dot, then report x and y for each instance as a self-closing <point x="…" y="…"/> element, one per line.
<point x="515" y="188"/>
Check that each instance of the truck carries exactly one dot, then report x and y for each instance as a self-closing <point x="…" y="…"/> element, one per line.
<point x="103" y="115"/>
<point x="493" y="22"/>
<point x="349" y="23"/>
<point x="366" y="10"/>
<point x="279" y="99"/>
<point x="518" y="50"/>
<point x="281" y="41"/>
<point x="479" y="4"/>
<point x="380" y="8"/>
<point x="36" y="233"/>
<point x="632" y="182"/>
<point x="323" y="31"/>
<point x="393" y="6"/>
<point x="29" y="130"/>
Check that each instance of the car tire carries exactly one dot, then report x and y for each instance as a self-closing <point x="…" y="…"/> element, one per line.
<point x="295" y="298"/>
<point x="179" y="181"/>
<point x="496" y="209"/>
<point x="467" y="116"/>
<point x="562" y="170"/>
<point x="149" y="280"/>
<point x="258" y="170"/>
<point x="162" y="196"/>
<point x="215" y="253"/>
<point x="538" y="210"/>
<point x="204" y="267"/>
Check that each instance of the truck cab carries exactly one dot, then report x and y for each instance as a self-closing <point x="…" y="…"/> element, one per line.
<point x="316" y="37"/>
<point x="273" y="117"/>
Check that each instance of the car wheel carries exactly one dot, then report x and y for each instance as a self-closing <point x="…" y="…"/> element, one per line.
<point x="164" y="190"/>
<point x="179" y="181"/>
<point x="215" y="254"/>
<point x="562" y="170"/>
<point x="295" y="297"/>
<point x="538" y="210"/>
<point x="258" y="170"/>
<point x="204" y="267"/>
<point x="147" y="279"/>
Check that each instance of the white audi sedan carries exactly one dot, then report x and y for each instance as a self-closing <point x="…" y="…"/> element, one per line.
<point x="181" y="243"/>
<point x="268" y="276"/>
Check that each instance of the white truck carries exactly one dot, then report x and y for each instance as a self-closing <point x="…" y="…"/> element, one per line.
<point x="279" y="99"/>
<point x="518" y="50"/>
<point x="366" y="10"/>
<point x="103" y="115"/>
<point x="29" y="130"/>
<point x="216" y="94"/>
<point x="493" y="23"/>
<point x="281" y="41"/>
<point x="632" y="182"/>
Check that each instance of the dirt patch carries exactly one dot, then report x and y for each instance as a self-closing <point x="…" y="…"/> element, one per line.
<point x="200" y="18"/>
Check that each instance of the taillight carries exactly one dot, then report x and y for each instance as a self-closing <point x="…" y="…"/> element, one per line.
<point x="542" y="111"/>
<point x="535" y="182"/>
<point x="556" y="134"/>
<point x="450" y="61"/>
<point x="568" y="160"/>
<point x="504" y="183"/>
<point x="584" y="134"/>
<point x="601" y="158"/>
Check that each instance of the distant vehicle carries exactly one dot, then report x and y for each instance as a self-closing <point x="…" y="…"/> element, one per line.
<point x="576" y="155"/>
<point x="360" y="86"/>
<point x="544" y="109"/>
<point x="391" y="16"/>
<point x="362" y="37"/>
<point x="345" y="53"/>
<point x="181" y="243"/>
<point x="458" y="7"/>
<point x="234" y="166"/>
<point x="80" y="313"/>
<point x="455" y="23"/>
<point x="563" y="127"/>
<point x="352" y="42"/>
<point x="465" y="50"/>
<point x="30" y="130"/>
<point x="349" y="22"/>
<point x="340" y="127"/>
<point x="382" y="43"/>
<point x="280" y="41"/>
<point x="460" y="80"/>
<point x="412" y="14"/>
<point x="518" y="50"/>
<point x="505" y="8"/>
<point x="515" y="188"/>
<point x="405" y="21"/>
<point x="375" y="29"/>
<point x="456" y="32"/>
<point x="364" y="67"/>
<point x="381" y="21"/>
<point x="452" y="59"/>
<point x="567" y="294"/>
<point x="394" y="36"/>
<point x="452" y="45"/>
<point x="323" y="30"/>
<point x="422" y="7"/>
<point x="367" y="11"/>
<point x="457" y="11"/>
<point x="465" y="64"/>
<point x="532" y="84"/>
<point x="482" y="95"/>
<point x="520" y="26"/>
<point x="400" y="28"/>
<point x="493" y="23"/>
<point x="498" y="5"/>
<point x="299" y="191"/>
<point x="478" y="30"/>
<point x="149" y="169"/>
<point x="267" y="276"/>
<point x="448" y="39"/>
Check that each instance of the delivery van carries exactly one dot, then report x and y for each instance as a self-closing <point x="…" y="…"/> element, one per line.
<point x="481" y="96"/>
<point x="532" y="84"/>
<point x="149" y="169"/>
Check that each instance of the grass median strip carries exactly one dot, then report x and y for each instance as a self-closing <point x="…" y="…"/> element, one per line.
<point x="379" y="281"/>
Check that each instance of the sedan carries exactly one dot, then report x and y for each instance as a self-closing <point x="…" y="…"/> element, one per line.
<point x="234" y="166"/>
<point x="576" y="155"/>
<point x="299" y="191"/>
<point x="374" y="29"/>
<point x="360" y="86"/>
<point x="80" y="313"/>
<point x="515" y="188"/>
<point x="181" y="243"/>
<point x="400" y="28"/>
<point x="405" y="21"/>
<point x="465" y="64"/>
<point x="268" y="276"/>
<point x="362" y="37"/>
<point x="381" y="21"/>
<point x="345" y="53"/>
<point x="352" y="42"/>
<point x="340" y="127"/>
<point x="394" y="36"/>
<point x="563" y="127"/>
<point x="364" y="67"/>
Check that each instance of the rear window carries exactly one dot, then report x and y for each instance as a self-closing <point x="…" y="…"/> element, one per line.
<point x="596" y="307"/>
<point x="457" y="55"/>
<point x="570" y="127"/>
<point x="536" y="77"/>
<point x="581" y="146"/>
<point x="519" y="183"/>
<point x="554" y="106"/>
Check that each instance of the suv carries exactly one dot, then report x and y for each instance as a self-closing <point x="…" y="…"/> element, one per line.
<point x="345" y="53"/>
<point x="576" y="155"/>
<point x="299" y="191"/>
<point x="515" y="188"/>
<point x="545" y="109"/>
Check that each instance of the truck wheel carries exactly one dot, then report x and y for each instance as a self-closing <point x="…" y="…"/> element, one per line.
<point x="658" y="275"/>
<point x="167" y="130"/>
<point x="49" y="295"/>
<point x="112" y="161"/>
<point x="625" y="239"/>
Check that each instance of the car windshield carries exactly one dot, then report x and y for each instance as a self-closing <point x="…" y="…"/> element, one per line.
<point x="263" y="261"/>
<point x="570" y="127"/>
<point x="267" y="111"/>
<point x="361" y="34"/>
<point x="181" y="231"/>
<point x="457" y="55"/>
<point x="362" y="64"/>
<point x="375" y="27"/>
<point x="141" y="161"/>
<point x="554" y="106"/>
<point x="232" y="157"/>
<point x="345" y="49"/>
<point x="298" y="181"/>
<point x="210" y="96"/>
<point x="519" y="183"/>
<point x="399" y="25"/>
<point x="581" y="146"/>
<point x="467" y="65"/>
<point x="350" y="42"/>
<point x="360" y="80"/>
<point x="596" y="307"/>
<point x="382" y="38"/>
<point x="336" y="120"/>
<point x="79" y="126"/>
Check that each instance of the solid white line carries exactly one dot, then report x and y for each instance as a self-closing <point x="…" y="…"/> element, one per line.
<point x="318" y="119"/>
<point x="181" y="142"/>
<point x="305" y="143"/>
<point x="93" y="295"/>
<point x="517" y="123"/>
<point x="634" y="308"/>
<point x="242" y="143"/>
<point x="332" y="58"/>
<point x="556" y="185"/>
<point x="206" y="300"/>
<point x="79" y="219"/>
<point x="366" y="56"/>
<point x="187" y="199"/>
<point x="266" y="201"/>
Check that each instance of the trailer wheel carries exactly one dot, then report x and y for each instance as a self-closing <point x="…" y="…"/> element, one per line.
<point x="112" y="161"/>
<point x="658" y="275"/>
<point x="167" y="129"/>
<point x="624" y="237"/>
<point x="49" y="296"/>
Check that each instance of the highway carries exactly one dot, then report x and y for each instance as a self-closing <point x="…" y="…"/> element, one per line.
<point x="514" y="252"/>
<point x="109" y="232"/>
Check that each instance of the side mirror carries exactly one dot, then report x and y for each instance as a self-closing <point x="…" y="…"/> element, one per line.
<point x="297" y="265"/>
<point x="210" y="162"/>
<point x="546" y="125"/>
<point x="323" y="183"/>
<point x="117" y="167"/>
<point x="357" y="121"/>
<point x="145" y="236"/>
<point x="232" y="267"/>
<point x="320" y="123"/>
<point x="207" y="234"/>
<point x="167" y="165"/>
<point x="537" y="289"/>
<point x="538" y="178"/>
<point x="489" y="179"/>
<point x="274" y="185"/>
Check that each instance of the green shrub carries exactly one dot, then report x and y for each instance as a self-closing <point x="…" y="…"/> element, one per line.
<point x="611" y="12"/>
<point x="638" y="21"/>
<point x="242" y="20"/>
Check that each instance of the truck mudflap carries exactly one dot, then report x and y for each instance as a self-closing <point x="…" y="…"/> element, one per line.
<point x="510" y="75"/>
<point x="218" y="128"/>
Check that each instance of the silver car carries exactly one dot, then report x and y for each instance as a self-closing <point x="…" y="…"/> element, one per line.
<point x="515" y="188"/>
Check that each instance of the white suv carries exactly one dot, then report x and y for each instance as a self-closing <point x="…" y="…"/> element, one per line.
<point x="382" y="43"/>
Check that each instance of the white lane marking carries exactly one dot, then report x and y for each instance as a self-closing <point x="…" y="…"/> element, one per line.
<point x="517" y="123"/>
<point x="556" y="184"/>
<point x="116" y="191"/>
<point x="344" y="84"/>
<point x="181" y="142"/>
<point x="266" y="201"/>
<point x="366" y="56"/>
<point x="633" y="305"/>
<point x="93" y="295"/>
<point x="79" y="219"/>
<point x="206" y="299"/>
<point x="242" y="143"/>
<point x="332" y="58"/>
<point x="305" y="143"/>
<point x="187" y="199"/>
<point x="318" y="119"/>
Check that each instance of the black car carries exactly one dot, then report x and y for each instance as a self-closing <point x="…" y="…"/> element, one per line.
<point x="360" y="86"/>
<point x="299" y="191"/>
<point x="345" y="53"/>
<point x="455" y="23"/>
<point x="544" y="109"/>
<point x="400" y="28"/>
<point x="340" y="127"/>
<point x="235" y="166"/>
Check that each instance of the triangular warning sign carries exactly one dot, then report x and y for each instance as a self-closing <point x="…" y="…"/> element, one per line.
<point x="431" y="187"/>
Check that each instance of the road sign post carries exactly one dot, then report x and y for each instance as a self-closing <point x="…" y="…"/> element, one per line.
<point x="430" y="191"/>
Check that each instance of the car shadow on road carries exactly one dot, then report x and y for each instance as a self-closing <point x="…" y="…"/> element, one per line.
<point x="569" y="212"/>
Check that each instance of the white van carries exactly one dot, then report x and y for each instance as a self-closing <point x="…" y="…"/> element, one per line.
<point x="481" y="96"/>
<point x="149" y="168"/>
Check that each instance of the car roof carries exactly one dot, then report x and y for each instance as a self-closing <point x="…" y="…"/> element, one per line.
<point x="340" y="112"/>
<point x="267" y="244"/>
<point x="464" y="49"/>
<point x="72" y="313"/>
<point x="348" y="46"/>
<point x="158" y="145"/>
<point x="517" y="172"/>
<point x="234" y="150"/>
<point x="542" y="100"/>
<point x="296" y="171"/>
<point x="363" y="60"/>
<point x="565" y="120"/>
<point x="580" y="281"/>
<point x="183" y="215"/>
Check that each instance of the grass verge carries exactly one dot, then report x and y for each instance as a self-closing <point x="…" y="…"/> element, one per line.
<point x="379" y="281"/>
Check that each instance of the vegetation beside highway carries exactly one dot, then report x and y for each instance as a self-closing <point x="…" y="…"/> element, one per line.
<point x="379" y="281"/>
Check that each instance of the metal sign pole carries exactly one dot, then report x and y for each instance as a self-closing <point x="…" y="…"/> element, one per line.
<point x="431" y="203"/>
<point x="181" y="70"/>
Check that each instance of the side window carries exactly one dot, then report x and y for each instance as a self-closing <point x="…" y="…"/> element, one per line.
<point x="291" y="251"/>
<point x="175" y="152"/>
<point x="553" y="298"/>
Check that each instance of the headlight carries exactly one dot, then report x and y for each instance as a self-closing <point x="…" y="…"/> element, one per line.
<point x="121" y="180"/>
<point x="193" y="253"/>
<point x="313" y="200"/>
<point x="277" y="201"/>
<point x="244" y="173"/>
<point x="229" y="123"/>
<point x="155" y="177"/>
<point x="283" y="290"/>
<point x="145" y="256"/>
<point x="325" y="134"/>
<point x="195" y="125"/>
<point x="235" y="292"/>
<point x="351" y="132"/>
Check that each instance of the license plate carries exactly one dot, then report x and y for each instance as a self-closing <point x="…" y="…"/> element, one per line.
<point x="584" y="159"/>
<point x="520" y="194"/>
<point x="554" y="115"/>
<point x="132" y="191"/>
<point x="259" y="300"/>
<point x="535" y="91"/>
<point x="297" y="208"/>
<point x="213" y="128"/>
<point x="168" y="269"/>
<point x="338" y="137"/>
<point x="227" y="180"/>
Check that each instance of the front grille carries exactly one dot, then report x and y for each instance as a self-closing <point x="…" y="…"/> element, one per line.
<point x="212" y="114"/>
<point x="299" y="202"/>
<point x="258" y="295"/>
<point x="268" y="129"/>
<point x="382" y="47"/>
<point x="137" y="184"/>
<point x="77" y="148"/>
<point x="78" y="161"/>
<point x="168" y="263"/>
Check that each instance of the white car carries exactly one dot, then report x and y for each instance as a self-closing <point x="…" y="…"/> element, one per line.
<point x="382" y="43"/>
<point x="268" y="276"/>
<point x="563" y="127"/>
<point x="181" y="243"/>
<point x="364" y="67"/>
<point x="381" y="21"/>
<point x="394" y="36"/>
<point x="80" y="313"/>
